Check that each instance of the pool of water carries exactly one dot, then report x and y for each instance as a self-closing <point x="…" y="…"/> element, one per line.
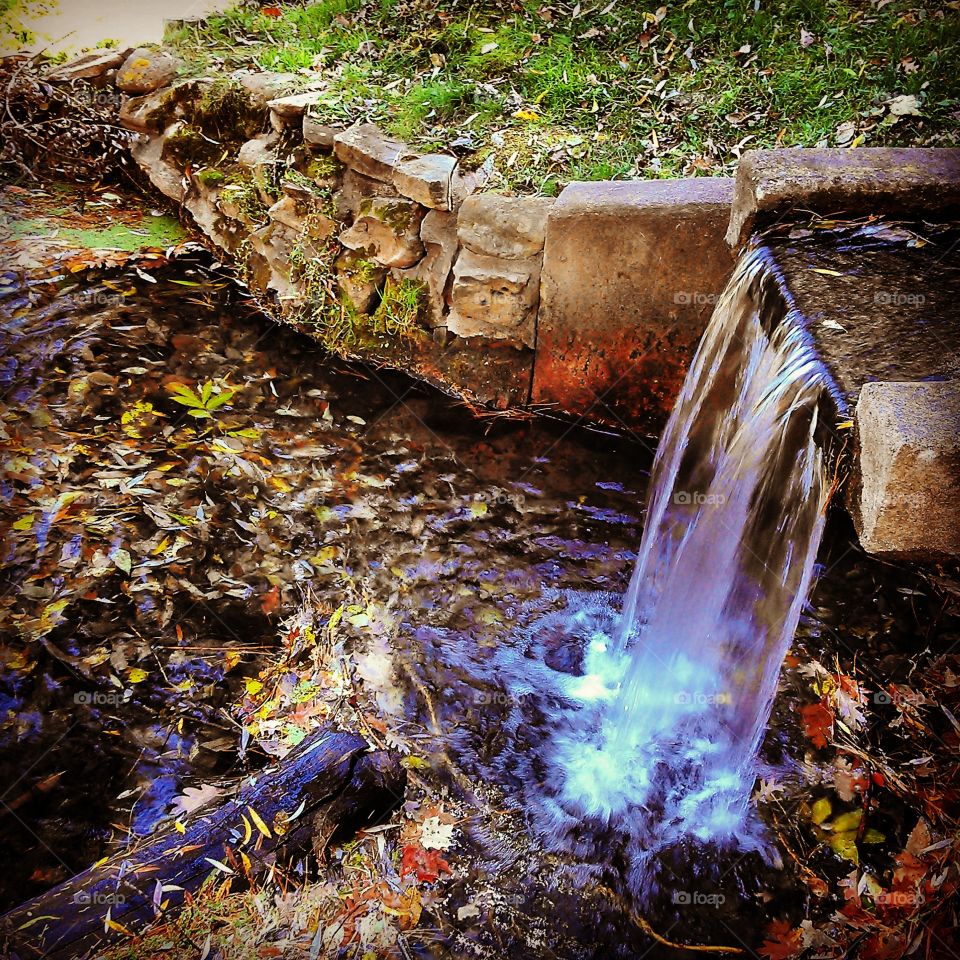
<point x="156" y="564"/>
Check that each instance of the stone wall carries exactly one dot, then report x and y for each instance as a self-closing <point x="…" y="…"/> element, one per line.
<point x="409" y="259"/>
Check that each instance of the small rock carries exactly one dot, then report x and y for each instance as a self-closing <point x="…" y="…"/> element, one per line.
<point x="295" y="215"/>
<point x="359" y="280"/>
<point x="264" y="87"/>
<point x="388" y="231"/>
<point x="271" y="248"/>
<point x="258" y="151"/>
<point x="355" y="189"/>
<point x="152" y="112"/>
<point x="439" y="235"/>
<point x="89" y="66"/>
<point x="147" y="152"/>
<point x="288" y="212"/>
<point x="368" y="150"/>
<point x="318" y="134"/>
<point x="147" y="70"/>
<point x="509" y="227"/>
<point x="201" y="201"/>
<point x="494" y="297"/>
<point x="293" y="107"/>
<point x="426" y="179"/>
<point x="906" y="501"/>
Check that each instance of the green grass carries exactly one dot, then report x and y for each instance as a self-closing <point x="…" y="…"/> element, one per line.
<point x="615" y="91"/>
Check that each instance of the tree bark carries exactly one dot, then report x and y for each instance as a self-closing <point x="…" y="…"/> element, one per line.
<point x="330" y="779"/>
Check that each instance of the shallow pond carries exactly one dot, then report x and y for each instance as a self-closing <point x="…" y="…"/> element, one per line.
<point x="192" y="493"/>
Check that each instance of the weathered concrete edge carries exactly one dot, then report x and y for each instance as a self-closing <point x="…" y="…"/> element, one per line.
<point x="905" y="492"/>
<point x="631" y="272"/>
<point x="914" y="181"/>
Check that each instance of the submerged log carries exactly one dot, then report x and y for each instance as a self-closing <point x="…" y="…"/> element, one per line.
<point x="330" y="780"/>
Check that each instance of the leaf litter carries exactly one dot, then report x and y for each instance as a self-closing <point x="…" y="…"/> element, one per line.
<point x="214" y="541"/>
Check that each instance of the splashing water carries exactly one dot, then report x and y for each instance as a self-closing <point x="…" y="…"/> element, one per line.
<point x="657" y="725"/>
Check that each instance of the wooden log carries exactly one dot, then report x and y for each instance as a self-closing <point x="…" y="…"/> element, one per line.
<point x="330" y="779"/>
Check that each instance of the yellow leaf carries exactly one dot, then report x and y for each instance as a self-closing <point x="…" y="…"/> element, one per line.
<point x="844" y="845"/>
<point x="160" y="547"/>
<point x="414" y="763"/>
<point x="525" y="114"/>
<point x="258" y="822"/>
<point x="847" y="821"/>
<point x="278" y="483"/>
<point x="478" y="508"/>
<point x="253" y="686"/>
<point x="24" y="523"/>
<point x="179" y="827"/>
<point x="247" y="829"/>
<point x="821" y="810"/>
<point x="118" y="927"/>
<point x="137" y="675"/>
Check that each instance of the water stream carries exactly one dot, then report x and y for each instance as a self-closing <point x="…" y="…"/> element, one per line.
<point x="657" y="727"/>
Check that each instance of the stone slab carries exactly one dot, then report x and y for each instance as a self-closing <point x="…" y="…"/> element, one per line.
<point x="369" y="151"/>
<point x="842" y="182"/>
<point x="497" y="226"/>
<point x="907" y="504"/>
<point x="630" y="275"/>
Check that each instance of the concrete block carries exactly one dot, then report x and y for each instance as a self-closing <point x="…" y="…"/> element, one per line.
<point x="866" y="180"/>
<point x="905" y="498"/>
<point x="630" y="276"/>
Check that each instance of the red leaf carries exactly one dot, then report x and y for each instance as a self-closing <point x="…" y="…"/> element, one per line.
<point x="817" y="723"/>
<point x="784" y="942"/>
<point x="270" y="601"/>
<point x="271" y="12"/>
<point x="908" y="873"/>
<point x="426" y="864"/>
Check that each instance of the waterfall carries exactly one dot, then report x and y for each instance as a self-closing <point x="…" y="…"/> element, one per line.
<point x="656" y="733"/>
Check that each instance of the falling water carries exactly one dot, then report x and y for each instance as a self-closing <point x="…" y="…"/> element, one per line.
<point x="656" y="730"/>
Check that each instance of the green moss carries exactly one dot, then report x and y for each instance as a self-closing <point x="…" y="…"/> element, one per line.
<point x="325" y="167"/>
<point x="226" y="112"/>
<point x="401" y="309"/>
<point x="147" y="231"/>
<point x="188" y="145"/>
<point x="211" y="177"/>
<point x="241" y="192"/>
